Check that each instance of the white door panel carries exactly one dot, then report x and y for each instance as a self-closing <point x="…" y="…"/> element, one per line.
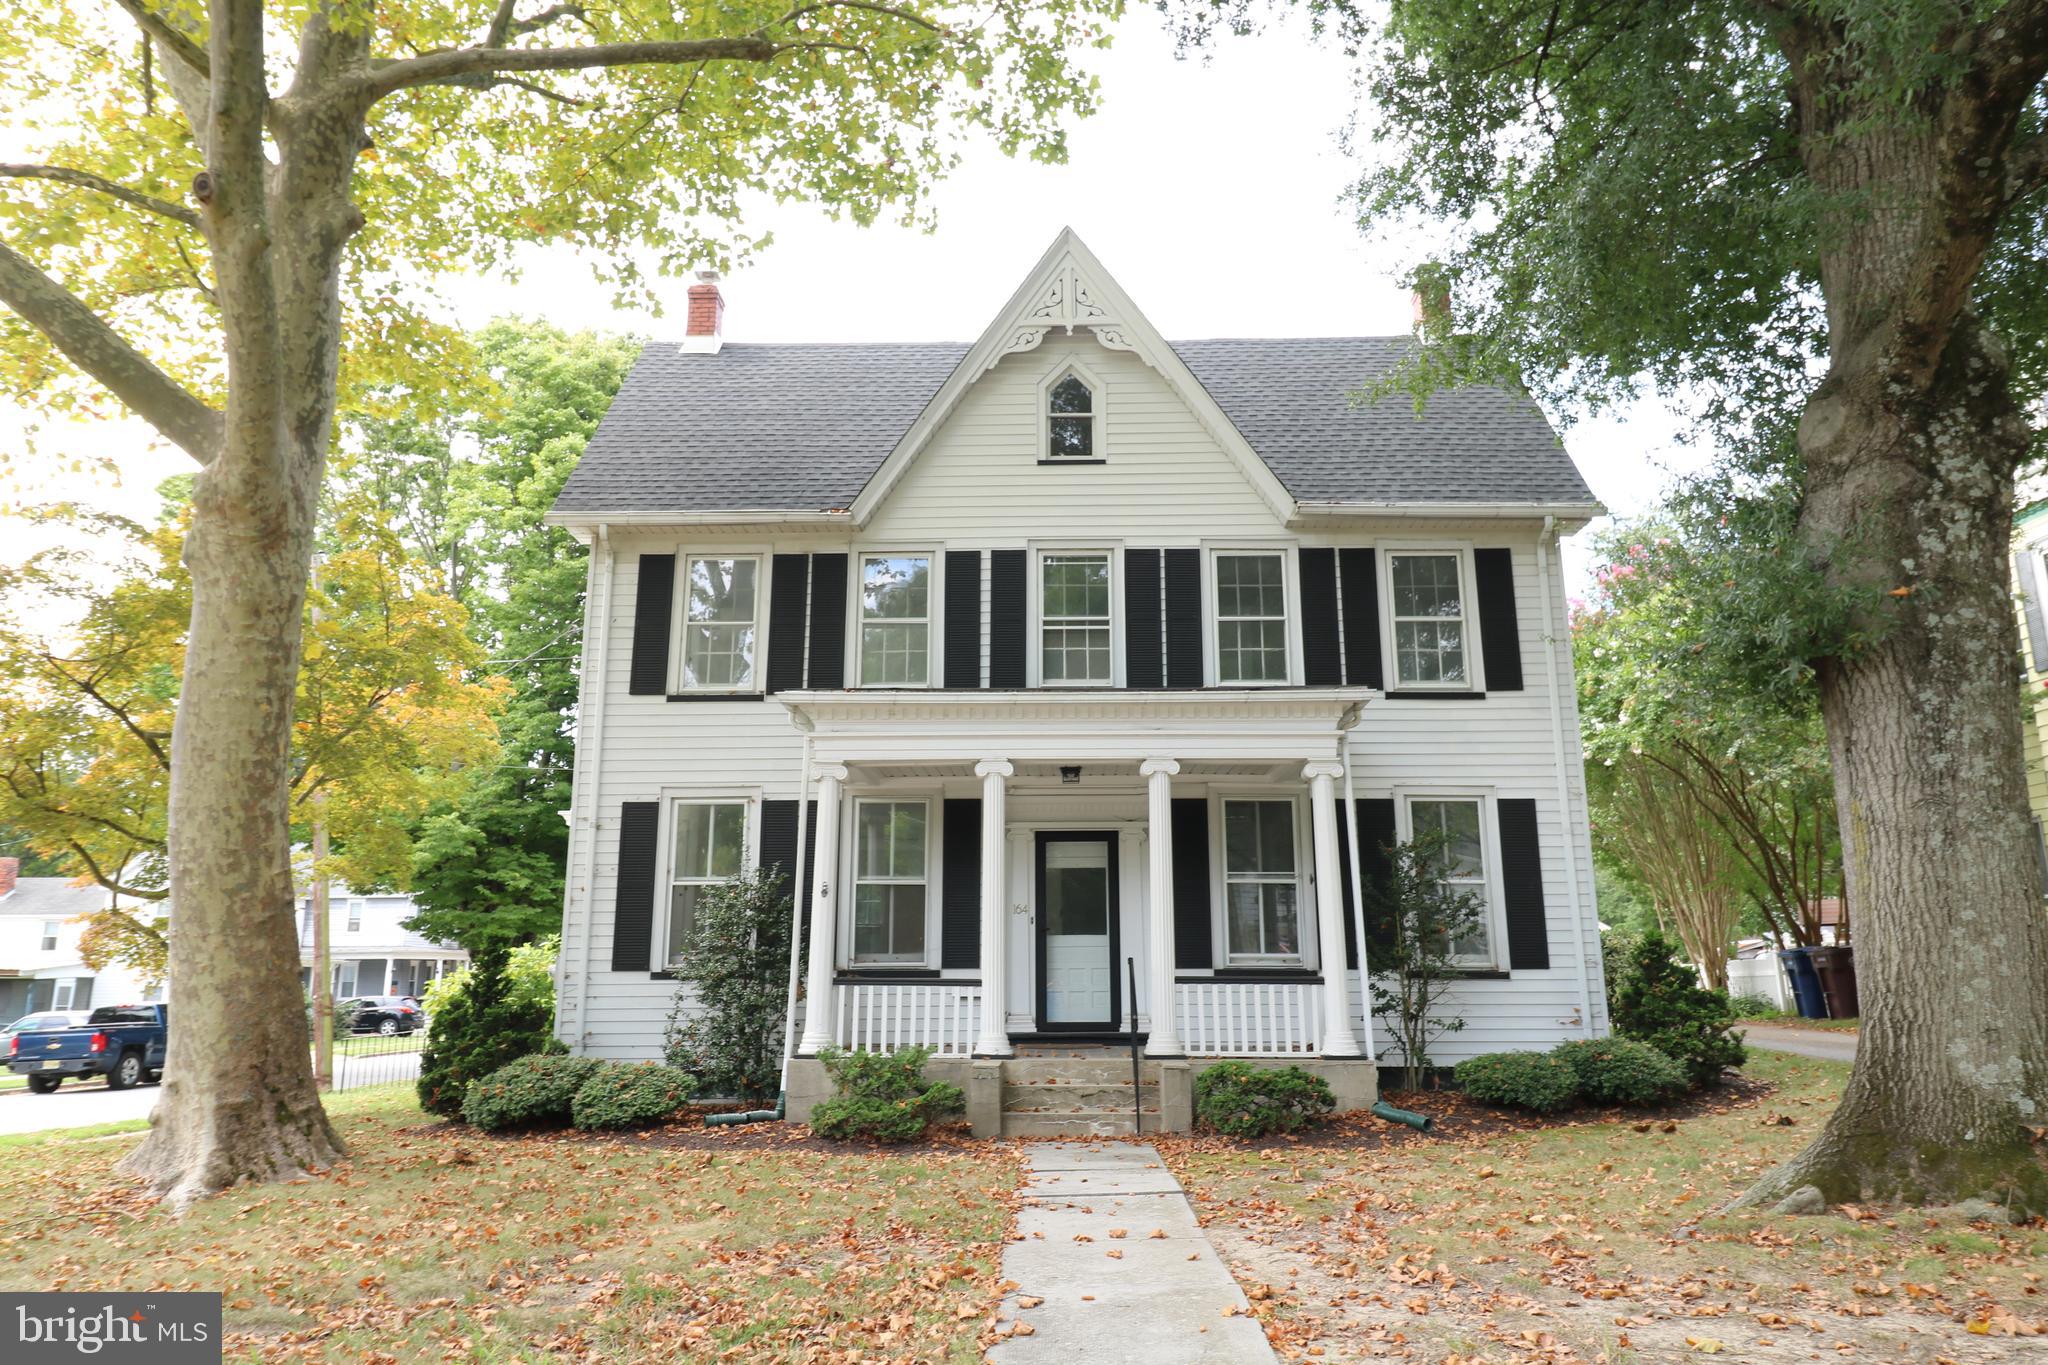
<point x="1078" y="971"/>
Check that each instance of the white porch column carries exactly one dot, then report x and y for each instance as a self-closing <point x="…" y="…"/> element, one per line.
<point x="994" y="1040"/>
<point x="1338" y="1040"/>
<point x="1158" y="773"/>
<point x="824" y="912"/>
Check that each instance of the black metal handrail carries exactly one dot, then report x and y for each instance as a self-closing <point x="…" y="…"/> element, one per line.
<point x="1137" y="1071"/>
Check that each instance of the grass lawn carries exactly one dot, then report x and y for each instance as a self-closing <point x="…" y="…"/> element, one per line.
<point x="1598" y="1240"/>
<point x="435" y="1243"/>
<point x="1795" y="1021"/>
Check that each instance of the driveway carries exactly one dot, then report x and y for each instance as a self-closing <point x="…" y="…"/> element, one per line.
<point x="1803" y="1042"/>
<point x="73" y="1106"/>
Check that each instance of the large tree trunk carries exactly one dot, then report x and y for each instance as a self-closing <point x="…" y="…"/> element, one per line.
<point x="239" y="1101"/>
<point x="1910" y="491"/>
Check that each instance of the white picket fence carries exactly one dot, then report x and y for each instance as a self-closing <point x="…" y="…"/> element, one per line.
<point x="878" y="1016"/>
<point x="1250" y="1018"/>
<point x="1760" y="976"/>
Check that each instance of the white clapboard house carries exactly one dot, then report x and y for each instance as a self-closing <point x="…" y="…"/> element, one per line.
<point x="1101" y="668"/>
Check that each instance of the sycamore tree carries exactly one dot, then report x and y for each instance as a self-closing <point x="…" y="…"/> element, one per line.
<point x="224" y="218"/>
<point x="1833" y="211"/>
<point x="390" y="719"/>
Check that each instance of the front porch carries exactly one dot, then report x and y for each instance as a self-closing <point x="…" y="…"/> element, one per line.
<point x="1013" y="880"/>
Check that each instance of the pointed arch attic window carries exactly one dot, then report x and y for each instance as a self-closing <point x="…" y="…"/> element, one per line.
<point x="1070" y="419"/>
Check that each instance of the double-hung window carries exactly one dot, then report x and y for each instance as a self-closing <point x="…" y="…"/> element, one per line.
<point x="1261" y="883"/>
<point x="1074" y="618"/>
<point x="1070" y="419"/>
<point x="355" y="917"/>
<point x="1251" y="617"/>
<point x="1429" y="620"/>
<point x="889" y="874"/>
<point x="720" y="609"/>
<point x="895" y="620"/>
<point x="49" y="936"/>
<point x="1452" y="825"/>
<point x="710" y="845"/>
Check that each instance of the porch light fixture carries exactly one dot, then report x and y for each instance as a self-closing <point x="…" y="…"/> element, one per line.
<point x="1070" y="776"/>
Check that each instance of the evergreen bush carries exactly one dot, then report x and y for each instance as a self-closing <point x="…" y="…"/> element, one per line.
<point x="625" y="1095"/>
<point x="1536" y="1081"/>
<point x="1658" y="1000"/>
<point x="1239" y="1099"/>
<point x="478" y="1028"/>
<point x="883" y="1096"/>
<point x="532" y="1091"/>
<point x="726" y="1024"/>
<point x="1621" y="1071"/>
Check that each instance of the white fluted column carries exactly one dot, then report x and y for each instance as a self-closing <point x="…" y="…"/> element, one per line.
<point x="1338" y="1040"/>
<point x="994" y="1040"/>
<point x="824" y="911"/>
<point x="1158" y="773"/>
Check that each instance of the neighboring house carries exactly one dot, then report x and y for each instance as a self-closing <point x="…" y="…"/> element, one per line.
<point x="1078" y="646"/>
<point x="40" y="965"/>
<point x="2030" y="595"/>
<point x="370" y="949"/>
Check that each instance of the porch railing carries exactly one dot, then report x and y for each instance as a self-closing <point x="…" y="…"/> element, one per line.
<point x="1250" y="1018"/>
<point x="877" y="1016"/>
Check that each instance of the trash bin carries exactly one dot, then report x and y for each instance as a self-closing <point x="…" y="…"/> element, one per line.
<point x="1836" y="967"/>
<point x="1806" y="988"/>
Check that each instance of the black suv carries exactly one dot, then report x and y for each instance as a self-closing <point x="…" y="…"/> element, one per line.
<point x="389" y="1015"/>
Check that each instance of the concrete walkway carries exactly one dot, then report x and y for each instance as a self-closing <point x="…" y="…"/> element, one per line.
<point x="1803" y="1042"/>
<point x="1162" y="1301"/>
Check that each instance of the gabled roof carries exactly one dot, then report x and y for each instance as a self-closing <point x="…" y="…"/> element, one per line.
<point x="52" y="898"/>
<point x="824" y="430"/>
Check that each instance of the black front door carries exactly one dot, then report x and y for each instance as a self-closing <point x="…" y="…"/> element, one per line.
<point x="1077" y="932"/>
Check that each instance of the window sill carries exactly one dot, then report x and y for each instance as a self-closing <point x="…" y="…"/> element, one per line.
<point x="718" y="696"/>
<point x="1243" y="976"/>
<point x="1433" y="694"/>
<point x="1074" y="462"/>
<point x="854" y="975"/>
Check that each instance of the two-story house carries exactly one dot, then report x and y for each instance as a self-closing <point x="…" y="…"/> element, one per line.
<point x="41" y="968"/>
<point x="370" y="951"/>
<point x="1102" y="670"/>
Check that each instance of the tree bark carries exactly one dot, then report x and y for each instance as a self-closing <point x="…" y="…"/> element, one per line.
<point x="1910" y="487"/>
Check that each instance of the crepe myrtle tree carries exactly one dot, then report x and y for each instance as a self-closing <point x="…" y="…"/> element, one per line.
<point x="225" y="223"/>
<point x="1834" y="210"/>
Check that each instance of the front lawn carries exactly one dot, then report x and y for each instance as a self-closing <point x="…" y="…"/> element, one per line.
<point x="1598" y="1239"/>
<point x="434" y="1242"/>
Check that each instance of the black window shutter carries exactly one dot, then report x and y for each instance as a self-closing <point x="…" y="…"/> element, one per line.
<point x="1500" y="639"/>
<point x="789" y="583"/>
<point x="1361" y="617"/>
<point x="2034" y="606"/>
<point x="778" y="838"/>
<point x="963" y="618"/>
<point x="1191" y="947"/>
<point x="960" y="904"/>
<point x="1183" y="573"/>
<point x="633" y="909"/>
<point x="1006" y="618"/>
<point x="653" y="600"/>
<point x="1322" y="665"/>
<point x="828" y="622"/>
<point x="1144" y="659"/>
<point x="1376" y="834"/>
<point x="1521" y="882"/>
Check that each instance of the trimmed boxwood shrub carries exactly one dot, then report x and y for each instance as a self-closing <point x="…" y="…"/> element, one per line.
<point x="626" y="1094"/>
<point x="1241" y="1100"/>
<point x="1660" y="1001"/>
<point x="1621" y="1071"/>
<point x="883" y="1096"/>
<point x="534" y="1090"/>
<point x="1523" y="1080"/>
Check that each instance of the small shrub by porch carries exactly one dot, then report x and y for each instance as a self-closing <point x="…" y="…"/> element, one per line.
<point x="1522" y="1080"/>
<point x="1239" y="1099"/>
<point x="883" y="1096"/>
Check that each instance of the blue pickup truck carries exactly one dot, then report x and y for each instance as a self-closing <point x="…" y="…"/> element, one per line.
<point x="124" y="1043"/>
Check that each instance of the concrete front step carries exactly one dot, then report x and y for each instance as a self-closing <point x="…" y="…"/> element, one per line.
<point x="1085" y="1095"/>
<point x="1101" y="1070"/>
<point x="1085" y="1123"/>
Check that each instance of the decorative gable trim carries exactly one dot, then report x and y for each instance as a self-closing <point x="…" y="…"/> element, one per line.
<point x="1069" y="288"/>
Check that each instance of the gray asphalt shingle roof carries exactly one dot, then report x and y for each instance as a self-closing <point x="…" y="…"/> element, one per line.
<point x="803" y="427"/>
<point x="52" y="898"/>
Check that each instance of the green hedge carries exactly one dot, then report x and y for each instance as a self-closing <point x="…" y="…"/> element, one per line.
<point x="1523" y="1080"/>
<point x="532" y="1091"/>
<point x="883" y="1096"/>
<point x="1621" y="1071"/>
<point x="626" y="1095"/>
<point x="1241" y="1100"/>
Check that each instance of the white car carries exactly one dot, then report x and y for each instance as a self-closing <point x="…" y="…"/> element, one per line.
<point x="41" y="1021"/>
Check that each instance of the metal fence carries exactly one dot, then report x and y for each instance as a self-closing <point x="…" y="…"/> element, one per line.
<point x="367" y="1059"/>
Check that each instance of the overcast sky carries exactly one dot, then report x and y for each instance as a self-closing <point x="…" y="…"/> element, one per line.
<point x="1214" y="191"/>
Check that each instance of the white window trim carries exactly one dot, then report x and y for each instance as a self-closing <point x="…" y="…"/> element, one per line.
<point x="1489" y="844"/>
<point x="1212" y="664"/>
<point x="49" y="936"/>
<point x="352" y="922"/>
<point x="935" y="596"/>
<point x="1097" y="392"/>
<point x="1304" y="880"/>
<point x="1475" y="662"/>
<point x="679" y="607"/>
<point x="1035" y="612"/>
<point x="750" y="851"/>
<point x="849" y="875"/>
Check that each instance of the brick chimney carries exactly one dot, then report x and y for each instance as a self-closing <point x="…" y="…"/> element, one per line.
<point x="10" y="868"/>
<point x="1430" y="298"/>
<point x="704" y="332"/>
